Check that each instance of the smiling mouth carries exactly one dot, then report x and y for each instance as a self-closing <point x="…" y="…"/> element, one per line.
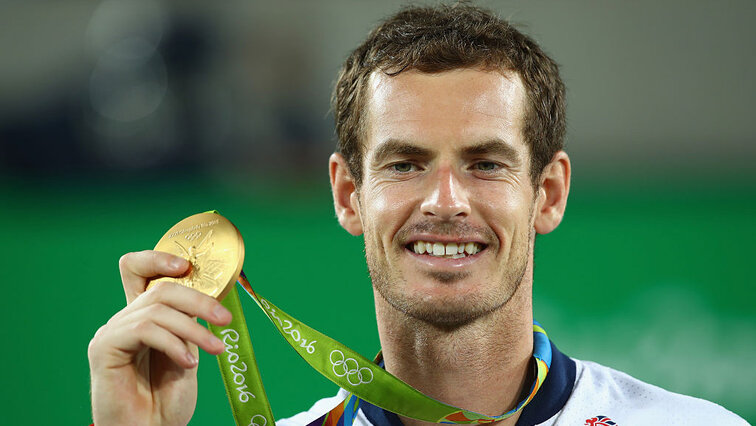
<point x="448" y="250"/>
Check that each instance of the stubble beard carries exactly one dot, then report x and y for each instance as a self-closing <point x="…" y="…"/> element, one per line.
<point x="450" y="312"/>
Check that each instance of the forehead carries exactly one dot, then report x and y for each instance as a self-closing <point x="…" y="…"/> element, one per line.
<point x="451" y="107"/>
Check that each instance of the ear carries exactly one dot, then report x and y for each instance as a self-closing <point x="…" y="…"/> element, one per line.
<point x="552" y="193"/>
<point x="345" y="197"/>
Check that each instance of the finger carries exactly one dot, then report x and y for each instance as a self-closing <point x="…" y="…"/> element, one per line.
<point x="116" y="345"/>
<point x="155" y="337"/>
<point x="136" y="268"/>
<point x="189" y="301"/>
<point x="184" y="327"/>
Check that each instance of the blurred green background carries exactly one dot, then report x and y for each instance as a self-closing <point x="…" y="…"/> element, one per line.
<point x="117" y="119"/>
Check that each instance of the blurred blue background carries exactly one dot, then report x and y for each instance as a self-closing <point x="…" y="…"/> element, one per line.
<point x="119" y="118"/>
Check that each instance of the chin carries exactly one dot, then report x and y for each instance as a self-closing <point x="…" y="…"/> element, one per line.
<point x="445" y="314"/>
<point x="440" y="304"/>
<point x="446" y="298"/>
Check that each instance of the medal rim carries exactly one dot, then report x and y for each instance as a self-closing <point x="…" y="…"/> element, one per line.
<point x="239" y="258"/>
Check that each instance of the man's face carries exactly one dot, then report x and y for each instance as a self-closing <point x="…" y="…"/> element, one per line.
<point x="446" y="202"/>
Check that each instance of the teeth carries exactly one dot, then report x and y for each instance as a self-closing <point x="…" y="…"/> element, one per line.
<point x="450" y="250"/>
<point x="470" y="248"/>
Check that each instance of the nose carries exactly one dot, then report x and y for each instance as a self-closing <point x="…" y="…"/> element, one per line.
<point x="447" y="198"/>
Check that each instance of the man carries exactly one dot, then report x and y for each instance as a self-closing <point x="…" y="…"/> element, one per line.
<point x="451" y="127"/>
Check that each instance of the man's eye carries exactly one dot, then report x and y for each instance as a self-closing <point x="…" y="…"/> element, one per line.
<point x="486" y="166"/>
<point x="402" y="167"/>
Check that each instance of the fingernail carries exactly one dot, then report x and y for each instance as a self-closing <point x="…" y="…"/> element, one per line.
<point x="218" y="312"/>
<point x="192" y="360"/>
<point x="177" y="263"/>
<point x="216" y="342"/>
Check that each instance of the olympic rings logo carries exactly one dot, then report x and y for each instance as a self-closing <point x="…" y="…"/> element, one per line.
<point x="255" y="420"/>
<point x="349" y="367"/>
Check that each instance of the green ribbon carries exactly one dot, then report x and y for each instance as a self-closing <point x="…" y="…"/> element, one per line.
<point x="241" y="377"/>
<point x="341" y="365"/>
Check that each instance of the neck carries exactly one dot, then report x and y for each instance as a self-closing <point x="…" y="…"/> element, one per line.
<point x="482" y="366"/>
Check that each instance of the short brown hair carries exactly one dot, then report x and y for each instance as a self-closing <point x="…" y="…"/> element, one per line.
<point x="436" y="39"/>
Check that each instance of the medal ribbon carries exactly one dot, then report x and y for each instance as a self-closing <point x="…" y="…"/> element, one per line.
<point x="362" y="378"/>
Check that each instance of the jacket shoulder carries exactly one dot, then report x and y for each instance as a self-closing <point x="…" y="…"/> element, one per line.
<point x="604" y="394"/>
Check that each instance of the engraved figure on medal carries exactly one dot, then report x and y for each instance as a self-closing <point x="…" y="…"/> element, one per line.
<point x="214" y="248"/>
<point x="205" y="270"/>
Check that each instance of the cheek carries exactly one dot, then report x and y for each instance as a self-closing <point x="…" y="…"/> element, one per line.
<point x="388" y="208"/>
<point x="505" y="209"/>
<point x="500" y="196"/>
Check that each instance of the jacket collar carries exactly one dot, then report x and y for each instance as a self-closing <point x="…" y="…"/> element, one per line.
<point x="548" y="401"/>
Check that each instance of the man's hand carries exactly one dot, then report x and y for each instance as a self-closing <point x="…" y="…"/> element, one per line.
<point x="142" y="362"/>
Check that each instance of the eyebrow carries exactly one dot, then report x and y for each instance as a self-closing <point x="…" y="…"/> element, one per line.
<point x="398" y="148"/>
<point x="493" y="147"/>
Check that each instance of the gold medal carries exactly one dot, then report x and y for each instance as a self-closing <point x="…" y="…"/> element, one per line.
<point x="213" y="246"/>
